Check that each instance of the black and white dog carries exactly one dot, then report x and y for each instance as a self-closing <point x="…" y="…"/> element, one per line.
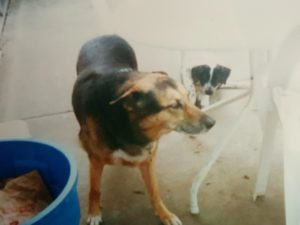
<point x="206" y="83"/>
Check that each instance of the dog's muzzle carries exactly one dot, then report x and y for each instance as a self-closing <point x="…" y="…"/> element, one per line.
<point x="209" y="91"/>
<point x="203" y="125"/>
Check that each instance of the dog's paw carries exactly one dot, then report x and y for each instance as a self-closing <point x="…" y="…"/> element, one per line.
<point x="94" y="220"/>
<point x="172" y="220"/>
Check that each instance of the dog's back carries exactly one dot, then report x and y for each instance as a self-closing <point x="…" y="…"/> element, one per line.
<point x="104" y="64"/>
<point x="102" y="54"/>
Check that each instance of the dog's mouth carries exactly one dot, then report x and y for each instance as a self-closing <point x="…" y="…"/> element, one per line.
<point x="191" y="129"/>
<point x="204" y="125"/>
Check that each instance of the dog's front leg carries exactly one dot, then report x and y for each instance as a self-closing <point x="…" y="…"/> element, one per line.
<point x="96" y="169"/>
<point x="148" y="174"/>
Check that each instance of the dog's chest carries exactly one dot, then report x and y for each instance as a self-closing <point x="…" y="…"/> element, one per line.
<point x="120" y="156"/>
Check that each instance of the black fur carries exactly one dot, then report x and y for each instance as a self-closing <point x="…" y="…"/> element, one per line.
<point x="106" y="53"/>
<point x="220" y="75"/>
<point x="201" y="73"/>
<point x="101" y="76"/>
<point x="143" y="104"/>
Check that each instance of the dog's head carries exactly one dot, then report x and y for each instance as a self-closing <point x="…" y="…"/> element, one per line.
<point x="207" y="83"/>
<point x="158" y="104"/>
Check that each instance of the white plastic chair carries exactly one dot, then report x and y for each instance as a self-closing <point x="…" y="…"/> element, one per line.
<point x="289" y="115"/>
<point x="278" y="74"/>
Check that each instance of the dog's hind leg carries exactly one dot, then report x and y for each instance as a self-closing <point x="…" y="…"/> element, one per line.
<point x="148" y="174"/>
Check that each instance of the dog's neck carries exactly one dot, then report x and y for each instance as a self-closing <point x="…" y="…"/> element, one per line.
<point x="128" y="137"/>
<point x="134" y="150"/>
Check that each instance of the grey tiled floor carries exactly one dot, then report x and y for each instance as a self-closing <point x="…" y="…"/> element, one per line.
<point x="40" y="46"/>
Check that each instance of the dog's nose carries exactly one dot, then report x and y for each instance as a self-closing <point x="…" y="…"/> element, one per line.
<point x="209" y="91"/>
<point x="209" y="122"/>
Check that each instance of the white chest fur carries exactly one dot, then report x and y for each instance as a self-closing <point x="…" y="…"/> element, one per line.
<point x="120" y="155"/>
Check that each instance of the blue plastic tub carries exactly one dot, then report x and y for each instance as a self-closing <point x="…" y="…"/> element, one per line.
<point x="58" y="171"/>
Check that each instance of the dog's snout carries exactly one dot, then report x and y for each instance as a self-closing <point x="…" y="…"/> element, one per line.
<point x="209" y="91"/>
<point x="201" y="125"/>
<point x="209" y="122"/>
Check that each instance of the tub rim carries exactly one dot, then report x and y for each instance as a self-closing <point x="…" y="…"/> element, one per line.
<point x="69" y="184"/>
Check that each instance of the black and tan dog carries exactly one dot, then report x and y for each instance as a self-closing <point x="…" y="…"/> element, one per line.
<point x="122" y="114"/>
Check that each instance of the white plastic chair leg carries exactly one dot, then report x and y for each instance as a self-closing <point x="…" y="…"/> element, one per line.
<point x="194" y="208"/>
<point x="269" y="131"/>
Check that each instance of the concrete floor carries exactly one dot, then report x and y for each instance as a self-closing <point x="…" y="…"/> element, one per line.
<point x="37" y="72"/>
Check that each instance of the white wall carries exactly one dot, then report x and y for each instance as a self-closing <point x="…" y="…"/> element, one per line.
<point x="199" y="23"/>
<point x="209" y="31"/>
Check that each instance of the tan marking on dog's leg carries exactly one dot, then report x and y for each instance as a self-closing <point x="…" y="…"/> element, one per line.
<point x="148" y="174"/>
<point x="96" y="169"/>
<point x="94" y="210"/>
<point x="94" y="148"/>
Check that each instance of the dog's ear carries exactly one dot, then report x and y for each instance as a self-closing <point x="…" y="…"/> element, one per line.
<point x="161" y="72"/>
<point x="220" y="75"/>
<point x="134" y="100"/>
<point x="122" y="96"/>
<point x="142" y="103"/>
<point x="200" y="74"/>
